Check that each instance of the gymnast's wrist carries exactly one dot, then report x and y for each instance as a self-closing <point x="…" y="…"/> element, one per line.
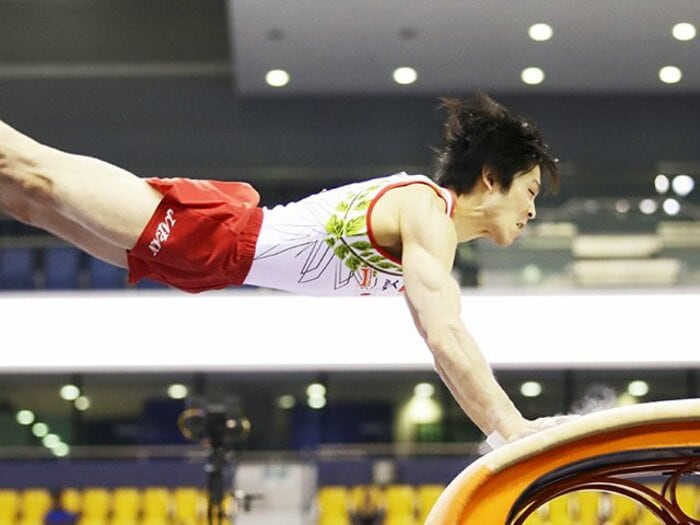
<point x="507" y="434"/>
<point x="510" y="427"/>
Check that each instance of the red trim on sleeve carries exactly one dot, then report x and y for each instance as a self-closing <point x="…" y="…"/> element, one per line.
<point x="449" y="206"/>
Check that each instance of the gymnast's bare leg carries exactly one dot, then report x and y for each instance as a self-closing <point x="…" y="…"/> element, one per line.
<point x="95" y="205"/>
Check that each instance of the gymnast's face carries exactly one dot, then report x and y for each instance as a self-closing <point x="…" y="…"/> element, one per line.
<point x="509" y="211"/>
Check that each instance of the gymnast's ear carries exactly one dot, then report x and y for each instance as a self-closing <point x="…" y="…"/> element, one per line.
<point x="487" y="178"/>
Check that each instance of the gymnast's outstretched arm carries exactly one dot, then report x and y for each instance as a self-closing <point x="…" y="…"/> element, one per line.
<point x="429" y="243"/>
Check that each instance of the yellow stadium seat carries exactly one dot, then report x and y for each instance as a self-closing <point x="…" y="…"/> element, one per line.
<point x="33" y="520"/>
<point x="688" y="499"/>
<point x="559" y="510"/>
<point x="71" y="499"/>
<point x="400" y="501"/>
<point x="230" y="506"/>
<point x="585" y="507"/>
<point x="646" y="517"/>
<point x="427" y="496"/>
<point x="365" y="502"/>
<point x="189" y="505"/>
<point x="157" y="506"/>
<point x="538" y="517"/>
<point x="361" y="494"/>
<point x="34" y="505"/>
<point x="96" y="506"/>
<point x="126" y="505"/>
<point x="333" y="505"/>
<point x="155" y="520"/>
<point x="401" y="520"/>
<point x="9" y="506"/>
<point x="623" y="510"/>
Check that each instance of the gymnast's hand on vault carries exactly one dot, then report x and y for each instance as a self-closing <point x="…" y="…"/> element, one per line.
<point x="529" y="427"/>
<point x="539" y="424"/>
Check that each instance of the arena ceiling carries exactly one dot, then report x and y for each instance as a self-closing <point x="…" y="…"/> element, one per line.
<point x="350" y="47"/>
<point x="335" y="47"/>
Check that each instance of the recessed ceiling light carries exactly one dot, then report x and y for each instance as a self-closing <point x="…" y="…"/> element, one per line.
<point x="424" y="390"/>
<point x="684" y="31"/>
<point x="661" y="183"/>
<point x="540" y="32"/>
<point x="61" y="450"/>
<point x="40" y="429"/>
<point x="177" y="391"/>
<point x="648" y="206"/>
<point x="405" y="75"/>
<point x="531" y="389"/>
<point x="316" y="402"/>
<point x="638" y="388"/>
<point x="672" y="206"/>
<point x="683" y="184"/>
<point x="82" y="403"/>
<point x="25" y="417"/>
<point x="622" y="206"/>
<point x="51" y="440"/>
<point x="277" y="78"/>
<point x="70" y="392"/>
<point x="286" y="402"/>
<point x="532" y="75"/>
<point x="670" y="74"/>
<point x="316" y="390"/>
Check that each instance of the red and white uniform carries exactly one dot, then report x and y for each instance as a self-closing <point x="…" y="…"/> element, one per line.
<point x="207" y="235"/>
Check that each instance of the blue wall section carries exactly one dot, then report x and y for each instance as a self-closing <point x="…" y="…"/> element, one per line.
<point x="178" y="472"/>
<point x="107" y="473"/>
<point x="62" y="267"/>
<point x="17" y="268"/>
<point x="411" y="471"/>
<point x="416" y="471"/>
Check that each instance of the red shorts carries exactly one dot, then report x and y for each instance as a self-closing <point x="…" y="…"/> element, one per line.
<point x="202" y="235"/>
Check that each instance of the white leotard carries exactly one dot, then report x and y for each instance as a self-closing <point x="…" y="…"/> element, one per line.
<point x="323" y="244"/>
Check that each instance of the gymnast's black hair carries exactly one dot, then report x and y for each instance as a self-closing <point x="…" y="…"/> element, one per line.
<point x="480" y="133"/>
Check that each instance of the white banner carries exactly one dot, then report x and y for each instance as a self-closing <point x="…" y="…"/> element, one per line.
<point x="228" y="331"/>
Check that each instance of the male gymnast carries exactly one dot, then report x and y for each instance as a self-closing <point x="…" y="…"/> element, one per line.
<point x="389" y="235"/>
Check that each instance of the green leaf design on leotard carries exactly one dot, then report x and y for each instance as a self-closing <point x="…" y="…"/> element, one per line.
<point x="350" y="221"/>
<point x="355" y="226"/>
<point x="341" y="251"/>
<point x="335" y="226"/>
<point x="361" y="245"/>
<point x="354" y="263"/>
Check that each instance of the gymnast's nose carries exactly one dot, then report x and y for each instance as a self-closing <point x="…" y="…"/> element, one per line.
<point x="531" y="212"/>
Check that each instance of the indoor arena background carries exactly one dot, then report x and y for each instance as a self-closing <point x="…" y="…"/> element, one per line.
<point x="595" y="306"/>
